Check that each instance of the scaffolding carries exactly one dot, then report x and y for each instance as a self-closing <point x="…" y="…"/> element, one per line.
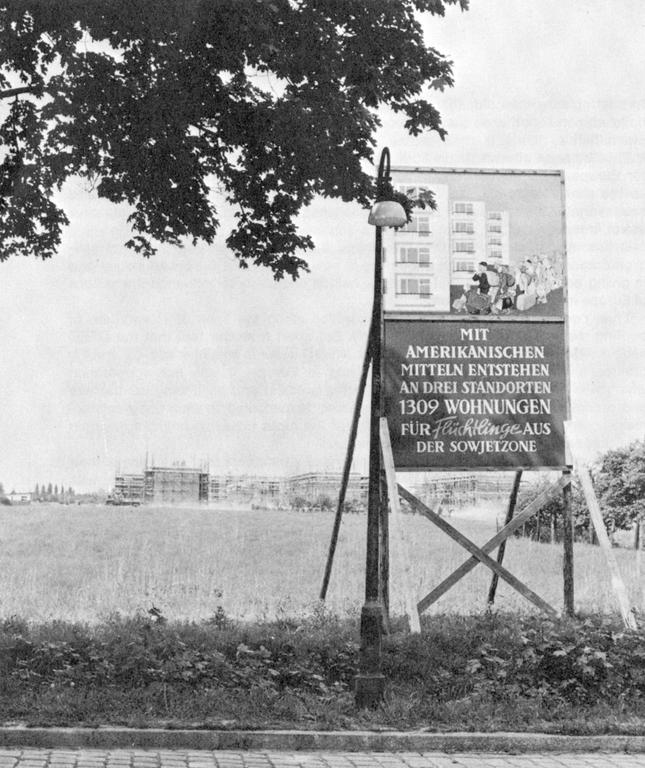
<point x="128" y="489"/>
<point x="175" y="485"/>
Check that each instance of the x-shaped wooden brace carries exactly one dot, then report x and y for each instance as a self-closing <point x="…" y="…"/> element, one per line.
<point x="479" y="554"/>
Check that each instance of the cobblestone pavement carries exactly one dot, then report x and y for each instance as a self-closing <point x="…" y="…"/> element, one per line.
<point x="137" y="758"/>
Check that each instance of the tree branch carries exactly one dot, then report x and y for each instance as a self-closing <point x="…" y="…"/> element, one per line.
<point x="17" y="91"/>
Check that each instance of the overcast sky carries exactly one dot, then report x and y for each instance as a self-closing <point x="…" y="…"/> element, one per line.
<point x="187" y="357"/>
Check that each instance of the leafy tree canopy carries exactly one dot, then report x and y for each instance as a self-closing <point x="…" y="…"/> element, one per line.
<point x="156" y="101"/>
<point x="620" y="483"/>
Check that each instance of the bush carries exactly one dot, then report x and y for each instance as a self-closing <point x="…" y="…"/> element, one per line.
<point x="487" y="672"/>
<point x="619" y="482"/>
<point x="547" y="524"/>
<point x="136" y="652"/>
<point x="571" y="662"/>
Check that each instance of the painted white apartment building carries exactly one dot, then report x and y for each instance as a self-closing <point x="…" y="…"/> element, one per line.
<point x="498" y="239"/>
<point x="440" y="247"/>
<point x="467" y="239"/>
<point x="416" y="258"/>
<point x="476" y="235"/>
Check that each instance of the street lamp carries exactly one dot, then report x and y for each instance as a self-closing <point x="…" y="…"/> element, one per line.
<point x="370" y="682"/>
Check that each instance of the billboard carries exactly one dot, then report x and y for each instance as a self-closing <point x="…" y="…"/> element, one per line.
<point x="475" y="339"/>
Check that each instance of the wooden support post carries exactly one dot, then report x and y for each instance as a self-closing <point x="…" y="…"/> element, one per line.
<point x="620" y="590"/>
<point x="617" y="582"/>
<point x="490" y="545"/>
<point x="349" y="455"/>
<point x="502" y="547"/>
<point x="479" y="555"/>
<point x="567" y="541"/>
<point x="409" y="601"/>
<point x="639" y="567"/>
<point x="384" y="555"/>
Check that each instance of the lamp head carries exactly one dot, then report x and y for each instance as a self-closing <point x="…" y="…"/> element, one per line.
<point x="387" y="213"/>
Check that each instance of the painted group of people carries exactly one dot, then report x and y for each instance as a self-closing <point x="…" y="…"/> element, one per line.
<point x="494" y="289"/>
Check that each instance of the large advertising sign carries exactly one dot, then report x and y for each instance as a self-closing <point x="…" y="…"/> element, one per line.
<point x="475" y="355"/>
<point x="475" y="395"/>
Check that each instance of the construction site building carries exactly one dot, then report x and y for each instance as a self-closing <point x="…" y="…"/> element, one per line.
<point x="313" y="485"/>
<point x="451" y="490"/>
<point x="128" y="489"/>
<point x="175" y="485"/>
<point x="447" y="491"/>
<point x="217" y="487"/>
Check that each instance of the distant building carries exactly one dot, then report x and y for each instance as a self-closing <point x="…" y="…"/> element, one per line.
<point x="179" y="485"/>
<point x="311" y="486"/>
<point x="250" y="489"/>
<point x="269" y="488"/>
<point x="128" y="489"/>
<point x="443" y="491"/>
<point x="20" y="497"/>
<point x="175" y="485"/>
<point x="217" y="487"/>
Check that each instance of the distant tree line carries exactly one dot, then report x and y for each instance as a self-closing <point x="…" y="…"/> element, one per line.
<point x="55" y="493"/>
<point x="619" y="482"/>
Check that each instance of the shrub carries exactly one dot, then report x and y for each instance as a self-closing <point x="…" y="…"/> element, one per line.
<point x="491" y="671"/>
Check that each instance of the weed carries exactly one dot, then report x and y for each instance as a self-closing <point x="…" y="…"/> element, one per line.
<point x="479" y="672"/>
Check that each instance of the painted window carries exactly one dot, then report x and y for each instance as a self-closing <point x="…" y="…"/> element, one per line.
<point x="412" y="254"/>
<point x="420" y="224"/>
<point x="413" y="286"/>
<point x="463" y="266"/>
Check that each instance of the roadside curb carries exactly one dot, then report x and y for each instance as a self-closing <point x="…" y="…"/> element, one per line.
<point x="107" y="738"/>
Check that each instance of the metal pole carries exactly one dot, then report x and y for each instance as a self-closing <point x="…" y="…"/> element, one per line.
<point x="348" y="463"/>
<point x="370" y="682"/>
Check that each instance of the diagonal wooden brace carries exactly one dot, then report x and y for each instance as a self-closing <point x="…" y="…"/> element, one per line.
<point x="480" y="553"/>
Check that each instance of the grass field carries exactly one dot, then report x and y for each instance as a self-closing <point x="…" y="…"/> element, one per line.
<point x="84" y="563"/>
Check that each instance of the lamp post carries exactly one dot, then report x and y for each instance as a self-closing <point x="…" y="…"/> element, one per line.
<point x="370" y="682"/>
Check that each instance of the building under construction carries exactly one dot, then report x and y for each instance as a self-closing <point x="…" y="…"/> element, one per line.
<point x="446" y="491"/>
<point x="175" y="485"/>
<point x="128" y="489"/>
<point x="312" y="486"/>
<point x="178" y="484"/>
<point x="161" y="485"/>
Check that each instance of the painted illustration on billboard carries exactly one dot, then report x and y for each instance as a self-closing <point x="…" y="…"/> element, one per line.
<point x="475" y="395"/>
<point x="493" y="246"/>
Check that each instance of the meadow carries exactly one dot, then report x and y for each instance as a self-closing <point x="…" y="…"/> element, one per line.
<point x="84" y="563"/>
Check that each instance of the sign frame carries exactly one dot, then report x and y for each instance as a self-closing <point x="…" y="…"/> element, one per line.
<point x="532" y="322"/>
